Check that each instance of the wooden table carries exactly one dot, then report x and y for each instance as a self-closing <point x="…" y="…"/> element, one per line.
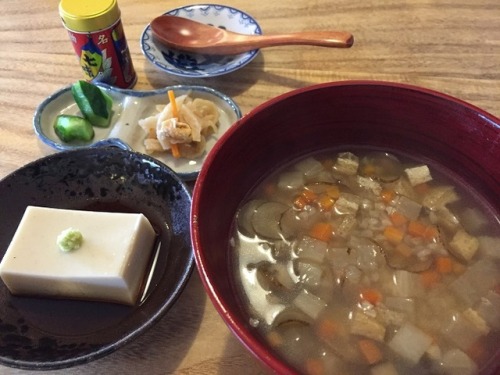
<point x="449" y="46"/>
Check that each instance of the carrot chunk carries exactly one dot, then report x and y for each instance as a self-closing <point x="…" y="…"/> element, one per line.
<point x="429" y="278"/>
<point x="333" y="192"/>
<point x="393" y="234"/>
<point x="398" y="219"/>
<point x="404" y="249"/>
<point x="275" y="339"/>
<point x="371" y="295"/>
<point x="444" y="264"/>
<point x="314" y="367"/>
<point x="325" y="202"/>
<point x="322" y="231"/>
<point x="422" y="188"/>
<point x="431" y="233"/>
<point x="387" y="195"/>
<point x="458" y="268"/>
<point x="327" y="328"/>
<point x="370" y="351"/>
<point x="416" y="228"/>
<point x="309" y="195"/>
<point x="299" y="202"/>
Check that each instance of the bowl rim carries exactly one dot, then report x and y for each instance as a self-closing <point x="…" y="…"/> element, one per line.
<point x="244" y="336"/>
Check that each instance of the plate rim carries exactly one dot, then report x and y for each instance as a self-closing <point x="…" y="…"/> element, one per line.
<point x="137" y="330"/>
<point x="59" y="146"/>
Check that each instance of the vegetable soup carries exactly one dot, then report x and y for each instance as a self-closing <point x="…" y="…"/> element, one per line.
<point x="366" y="262"/>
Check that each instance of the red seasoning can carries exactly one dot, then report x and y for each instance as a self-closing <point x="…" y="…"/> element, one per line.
<point x="96" y="31"/>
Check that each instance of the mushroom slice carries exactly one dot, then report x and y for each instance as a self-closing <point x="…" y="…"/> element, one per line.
<point x="244" y="217"/>
<point x="381" y="166"/>
<point x="274" y="277"/>
<point x="420" y="264"/>
<point x="408" y="262"/>
<point x="290" y="223"/>
<point x="266" y="219"/>
<point x="291" y="316"/>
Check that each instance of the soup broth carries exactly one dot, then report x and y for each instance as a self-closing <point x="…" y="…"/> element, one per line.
<point x="367" y="262"/>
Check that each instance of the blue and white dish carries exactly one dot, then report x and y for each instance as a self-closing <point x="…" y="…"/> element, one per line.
<point x="192" y="65"/>
<point x="129" y="106"/>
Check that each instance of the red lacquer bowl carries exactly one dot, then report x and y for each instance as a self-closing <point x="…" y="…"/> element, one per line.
<point x="411" y="120"/>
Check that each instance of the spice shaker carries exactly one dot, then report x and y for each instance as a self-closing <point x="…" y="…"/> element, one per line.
<point x="95" y="29"/>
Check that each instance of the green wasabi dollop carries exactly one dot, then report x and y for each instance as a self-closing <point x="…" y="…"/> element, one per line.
<point x="69" y="240"/>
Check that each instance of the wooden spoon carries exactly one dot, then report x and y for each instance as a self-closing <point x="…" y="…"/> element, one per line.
<point x="187" y="35"/>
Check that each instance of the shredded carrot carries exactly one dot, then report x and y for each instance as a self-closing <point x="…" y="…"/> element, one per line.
<point x="393" y="234"/>
<point x="370" y="351"/>
<point x="322" y="231"/>
<point x="404" y="249"/>
<point x="174" y="146"/>
<point x="387" y="195"/>
<point x="173" y="103"/>
<point x="429" y="278"/>
<point x="327" y="328"/>
<point x="325" y="202"/>
<point x="314" y="367"/>
<point x="371" y="295"/>
<point x="444" y="264"/>
<point x="275" y="339"/>
<point x="398" y="219"/>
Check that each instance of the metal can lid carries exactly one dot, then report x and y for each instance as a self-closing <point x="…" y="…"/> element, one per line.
<point x="88" y="15"/>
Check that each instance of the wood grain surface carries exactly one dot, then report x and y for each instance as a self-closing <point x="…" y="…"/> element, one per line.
<point x="452" y="46"/>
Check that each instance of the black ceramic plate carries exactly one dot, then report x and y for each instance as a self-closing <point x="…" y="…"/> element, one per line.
<point x="38" y="333"/>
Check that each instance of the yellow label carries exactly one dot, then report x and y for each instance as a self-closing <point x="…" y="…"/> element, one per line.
<point x="91" y="64"/>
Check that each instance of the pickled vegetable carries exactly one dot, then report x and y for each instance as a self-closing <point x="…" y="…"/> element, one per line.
<point x="94" y="103"/>
<point x="71" y="128"/>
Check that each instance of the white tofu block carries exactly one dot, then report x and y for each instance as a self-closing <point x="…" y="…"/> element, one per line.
<point x="347" y="163"/>
<point x="367" y="326"/>
<point x="463" y="245"/>
<point x="109" y="265"/>
<point x="418" y="175"/>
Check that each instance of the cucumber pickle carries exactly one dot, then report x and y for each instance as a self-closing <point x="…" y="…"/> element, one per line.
<point x="96" y="108"/>
<point x="94" y="104"/>
<point x="73" y="128"/>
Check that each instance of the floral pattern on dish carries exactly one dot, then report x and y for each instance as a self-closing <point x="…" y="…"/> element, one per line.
<point x="193" y="65"/>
